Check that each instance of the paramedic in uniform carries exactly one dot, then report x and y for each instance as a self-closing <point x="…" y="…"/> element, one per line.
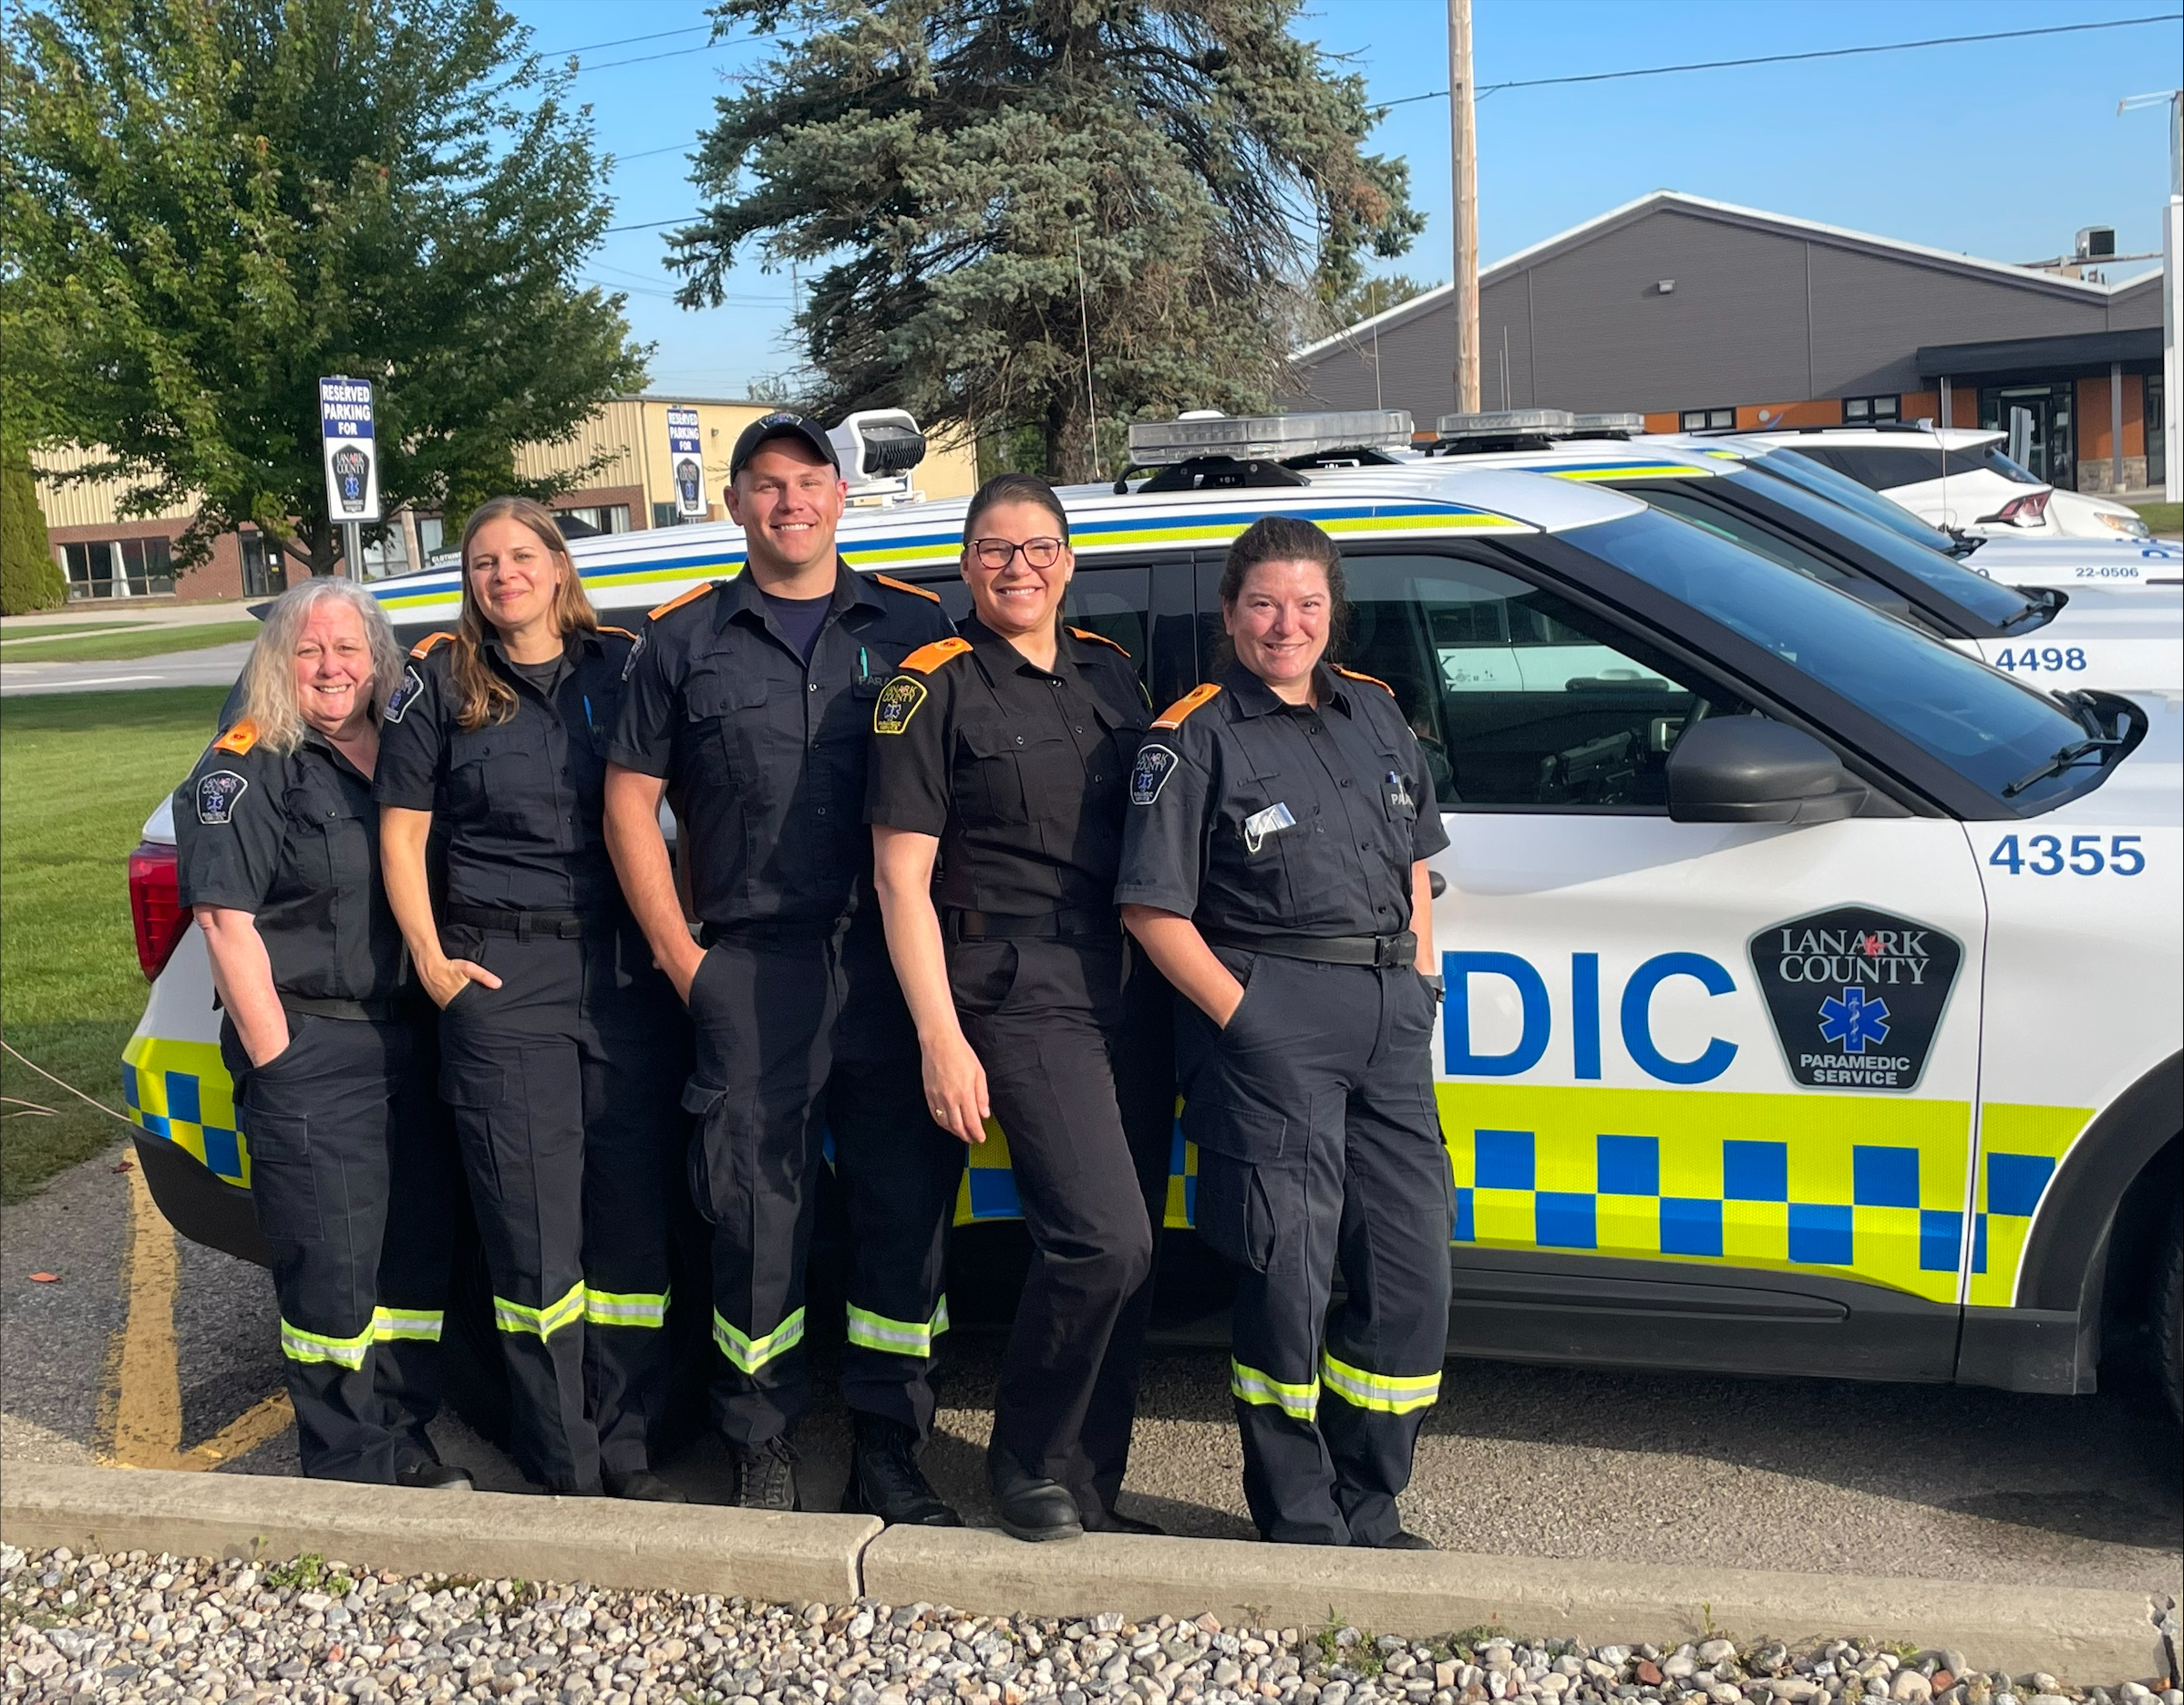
<point x="563" y="1048"/>
<point x="1002" y="756"/>
<point x="751" y="702"/>
<point x="1275" y="867"/>
<point x="349" y="1174"/>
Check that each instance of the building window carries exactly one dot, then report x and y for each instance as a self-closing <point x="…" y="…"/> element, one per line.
<point x="1707" y="420"/>
<point x="119" y="568"/>
<point x="667" y="514"/>
<point x="264" y="571"/>
<point x="432" y="536"/>
<point x="2156" y="431"/>
<point x="595" y="518"/>
<point x="1869" y="410"/>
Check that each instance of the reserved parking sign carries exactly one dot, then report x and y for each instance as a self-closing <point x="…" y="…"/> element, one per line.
<point x="345" y="419"/>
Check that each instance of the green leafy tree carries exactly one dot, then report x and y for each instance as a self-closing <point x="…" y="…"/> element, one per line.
<point x="1002" y="194"/>
<point x="1368" y="296"/>
<point x="211" y="204"/>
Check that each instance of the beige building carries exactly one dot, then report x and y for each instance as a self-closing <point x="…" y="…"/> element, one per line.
<point x="633" y="487"/>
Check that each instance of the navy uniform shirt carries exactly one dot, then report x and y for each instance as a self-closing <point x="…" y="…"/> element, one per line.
<point x="517" y="803"/>
<point x="1020" y="772"/>
<point x="292" y="838"/>
<point x="765" y="753"/>
<point x="1251" y="815"/>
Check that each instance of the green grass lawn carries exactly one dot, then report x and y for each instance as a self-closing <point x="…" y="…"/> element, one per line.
<point x="78" y="774"/>
<point x="15" y="629"/>
<point x="142" y="642"/>
<point x="2166" y="519"/>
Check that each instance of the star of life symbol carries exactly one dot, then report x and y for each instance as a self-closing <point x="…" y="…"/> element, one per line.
<point x="1854" y="1020"/>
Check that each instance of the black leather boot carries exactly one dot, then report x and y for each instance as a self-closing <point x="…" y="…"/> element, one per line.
<point x="886" y="1481"/>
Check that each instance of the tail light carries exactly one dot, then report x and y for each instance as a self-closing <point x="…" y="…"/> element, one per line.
<point x="155" y="904"/>
<point x="2022" y="512"/>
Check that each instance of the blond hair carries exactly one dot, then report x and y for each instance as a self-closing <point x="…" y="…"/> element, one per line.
<point x="269" y="695"/>
<point x="480" y="695"/>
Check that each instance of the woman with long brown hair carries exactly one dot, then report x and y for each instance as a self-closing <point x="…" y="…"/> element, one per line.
<point x="563" y="1049"/>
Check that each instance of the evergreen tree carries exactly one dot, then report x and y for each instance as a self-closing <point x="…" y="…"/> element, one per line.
<point x="1004" y="191"/>
<point x="211" y="203"/>
<point x="30" y="577"/>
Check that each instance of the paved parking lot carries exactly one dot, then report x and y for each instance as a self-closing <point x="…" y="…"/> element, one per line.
<point x="148" y="1348"/>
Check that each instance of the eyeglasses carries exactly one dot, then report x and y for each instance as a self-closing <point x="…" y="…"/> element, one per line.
<point x="996" y="554"/>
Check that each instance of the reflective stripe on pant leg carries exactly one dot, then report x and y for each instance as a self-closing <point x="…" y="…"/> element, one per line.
<point x="1391" y="1394"/>
<point x="424" y="1324"/>
<point x="897" y="1338"/>
<point x="642" y="1308"/>
<point x="1300" y="1402"/>
<point x="750" y="1354"/>
<point x="513" y="1317"/>
<point x="298" y="1344"/>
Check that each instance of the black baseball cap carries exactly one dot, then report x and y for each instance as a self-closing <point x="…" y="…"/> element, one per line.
<point x="782" y="423"/>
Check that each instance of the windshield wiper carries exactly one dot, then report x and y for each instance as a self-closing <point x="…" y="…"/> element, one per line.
<point x="1965" y="544"/>
<point x="2064" y="759"/>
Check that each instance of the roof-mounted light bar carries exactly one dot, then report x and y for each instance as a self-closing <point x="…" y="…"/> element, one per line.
<point x="1508" y="423"/>
<point x="878" y="448"/>
<point x="1266" y="438"/>
<point x="1597" y="425"/>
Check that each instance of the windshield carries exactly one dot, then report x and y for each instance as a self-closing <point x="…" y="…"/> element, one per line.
<point x="1982" y="725"/>
<point x="1801" y="470"/>
<point x="2005" y="606"/>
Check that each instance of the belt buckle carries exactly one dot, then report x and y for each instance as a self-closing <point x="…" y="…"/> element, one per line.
<point x="1387" y="952"/>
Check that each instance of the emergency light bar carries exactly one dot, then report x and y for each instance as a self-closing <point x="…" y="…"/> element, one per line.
<point x="879" y="446"/>
<point x="1508" y="423"/>
<point x="1594" y="425"/>
<point x="1266" y="438"/>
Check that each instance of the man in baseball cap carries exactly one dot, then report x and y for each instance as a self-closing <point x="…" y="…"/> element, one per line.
<point x="782" y="424"/>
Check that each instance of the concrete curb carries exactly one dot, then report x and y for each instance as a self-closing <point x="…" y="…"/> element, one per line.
<point x="2087" y="1636"/>
<point x="2081" y="1635"/>
<point x="693" y="1548"/>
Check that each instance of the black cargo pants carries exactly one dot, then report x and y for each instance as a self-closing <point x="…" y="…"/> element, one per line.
<point x="340" y="1125"/>
<point x="1318" y="1139"/>
<point x="564" y="1083"/>
<point x="800" y="1036"/>
<point x="1079" y="1069"/>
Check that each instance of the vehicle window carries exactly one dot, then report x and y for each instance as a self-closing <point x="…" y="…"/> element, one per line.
<point x="1980" y="723"/>
<point x="1883" y="467"/>
<point x="1739" y="529"/>
<point x="1113" y="602"/>
<point x="1521" y="700"/>
<point x="945" y="581"/>
<point x="1801" y="470"/>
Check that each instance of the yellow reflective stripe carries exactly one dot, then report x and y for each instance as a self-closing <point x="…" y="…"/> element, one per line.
<point x="418" y="1323"/>
<point x="298" y="1344"/>
<point x="607" y="1308"/>
<point x="750" y="1354"/>
<point x="1301" y="1403"/>
<point x="513" y="1317"/>
<point x="897" y="1338"/>
<point x="1391" y="1394"/>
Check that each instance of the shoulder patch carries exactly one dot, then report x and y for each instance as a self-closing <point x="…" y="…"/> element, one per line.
<point x="406" y="694"/>
<point x="1155" y="764"/>
<point x="1352" y="675"/>
<point x="217" y="791"/>
<point x="692" y="596"/>
<point x="903" y="586"/>
<point x="898" y="702"/>
<point x="238" y="740"/>
<point x="925" y="659"/>
<point x="1091" y="638"/>
<point x="624" y="632"/>
<point x="1195" y="699"/>
<point x="424" y="648"/>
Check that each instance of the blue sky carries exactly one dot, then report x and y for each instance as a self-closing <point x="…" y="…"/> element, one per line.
<point x="2001" y="150"/>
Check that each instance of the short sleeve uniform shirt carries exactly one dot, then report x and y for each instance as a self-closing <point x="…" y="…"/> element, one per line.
<point x="1248" y="815"/>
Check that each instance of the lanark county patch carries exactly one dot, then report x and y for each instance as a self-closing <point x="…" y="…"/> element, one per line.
<point x="405" y="695"/>
<point x="1856" y="994"/>
<point x="216" y="795"/>
<point x="1155" y="765"/>
<point x="898" y="702"/>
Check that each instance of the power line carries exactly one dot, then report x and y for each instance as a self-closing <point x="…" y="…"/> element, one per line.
<point x="673" y="148"/>
<point x="625" y="41"/>
<point x="1785" y="58"/>
<point x="657" y="225"/>
<point x="647" y="58"/>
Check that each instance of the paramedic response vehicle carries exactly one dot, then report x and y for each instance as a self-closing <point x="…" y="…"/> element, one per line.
<point x="1813" y="994"/>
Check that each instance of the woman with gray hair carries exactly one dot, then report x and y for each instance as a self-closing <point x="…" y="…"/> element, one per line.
<point x="280" y="867"/>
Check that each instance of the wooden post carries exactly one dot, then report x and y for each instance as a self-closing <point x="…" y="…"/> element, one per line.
<point x="1463" y="140"/>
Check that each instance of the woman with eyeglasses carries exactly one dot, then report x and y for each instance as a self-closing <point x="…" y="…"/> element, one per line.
<point x="1002" y="757"/>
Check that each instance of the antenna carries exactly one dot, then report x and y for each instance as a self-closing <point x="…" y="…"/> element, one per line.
<point x="1084" y="317"/>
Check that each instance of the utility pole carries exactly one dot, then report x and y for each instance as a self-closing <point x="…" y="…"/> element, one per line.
<point x="1463" y="149"/>
<point x="2172" y="289"/>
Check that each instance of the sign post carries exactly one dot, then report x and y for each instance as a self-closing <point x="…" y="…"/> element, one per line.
<point x="344" y="423"/>
<point x="687" y="462"/>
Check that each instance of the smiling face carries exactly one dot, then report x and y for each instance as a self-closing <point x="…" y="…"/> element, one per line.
<point x="514" y="575"/>
<point x="332" y="665"/>
<point x="1023" y="595"/>
<point x="1278" y="622"/>
<point x="787" y="500"/>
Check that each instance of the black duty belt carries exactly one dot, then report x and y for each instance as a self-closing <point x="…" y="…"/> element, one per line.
<point x="1061" y="926"/>
<point x="523" y="926"/>
<point x="1384" y="953"/>
<point x="378" y="1011"/>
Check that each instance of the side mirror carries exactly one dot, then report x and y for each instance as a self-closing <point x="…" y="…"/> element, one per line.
<point x="1747" y="769"/>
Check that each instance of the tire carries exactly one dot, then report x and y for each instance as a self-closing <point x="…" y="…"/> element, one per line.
<point x="2169" y="1315"/>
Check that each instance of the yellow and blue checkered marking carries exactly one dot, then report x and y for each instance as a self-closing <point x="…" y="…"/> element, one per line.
<point x="182" y="1092"/>
<point x="988" y="1190"/>
<point x="2020" y="1149"/>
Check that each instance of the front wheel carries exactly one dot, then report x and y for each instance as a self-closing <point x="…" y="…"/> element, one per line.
<point x="2168" y="1313"/>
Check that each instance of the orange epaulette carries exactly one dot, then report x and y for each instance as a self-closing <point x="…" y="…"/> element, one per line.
<point x="1100" y="639"/>
<point x="1352" y="675"/>
<point x="1172" y="717"/>
<point x="424" y="646"/>
<point x="238" y="740"/>
<point x="624" y="632"/>
<point x="692" y="596"/>
<point x="925" y="659"/>
<point x="903" y="586"/>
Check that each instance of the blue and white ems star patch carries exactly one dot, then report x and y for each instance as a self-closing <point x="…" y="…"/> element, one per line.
<point x="217" y="794"/>
<point x="1155" y="765"/>
<point x="405" y="695"/>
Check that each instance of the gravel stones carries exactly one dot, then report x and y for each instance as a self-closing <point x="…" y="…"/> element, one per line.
<point x="178" y="1631"/>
